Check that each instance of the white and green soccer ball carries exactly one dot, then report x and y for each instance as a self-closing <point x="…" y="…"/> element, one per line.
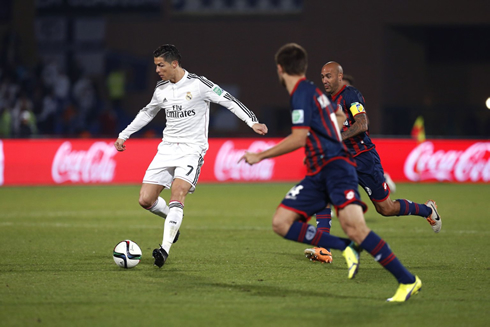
<point x="127" y="254"/>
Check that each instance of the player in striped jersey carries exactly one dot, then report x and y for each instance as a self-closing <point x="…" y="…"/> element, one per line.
<point x="185" y="99"/>
<point x="355" y="134"/>
<point x="331" y="177"/>
<point x="349" y="81"/>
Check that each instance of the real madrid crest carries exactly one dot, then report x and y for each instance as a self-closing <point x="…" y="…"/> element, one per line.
<point x="188" y="96"/>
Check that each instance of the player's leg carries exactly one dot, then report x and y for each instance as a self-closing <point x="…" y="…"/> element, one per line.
<point x="291" y="226"/>
<point x="150" y="199"/>
<point x="372" y="179"/>
<point x="323" y="224"/>
<point x="428" y="211"/>
<point x="149" y="193"/>
<point x="351" y="219"/>
<point x="344" y="195"/>
<point x="356" y="231"/>
<point x="404" y="207"/>
<point x="301" y="202"/>
<point x="179" y="189"/>
<point x="324" y="219"/>
<point x="186" y="174"/>
<point x="158" y="176"/>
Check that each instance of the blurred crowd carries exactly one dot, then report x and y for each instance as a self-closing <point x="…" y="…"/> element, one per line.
<point x="48" y="99"/>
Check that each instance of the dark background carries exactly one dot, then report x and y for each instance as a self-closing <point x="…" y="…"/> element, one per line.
<point x="408" y="58"/>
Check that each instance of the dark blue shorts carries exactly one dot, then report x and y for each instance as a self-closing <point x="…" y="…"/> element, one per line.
<point x="371" y="175"/>
<point x="336" y="184"/>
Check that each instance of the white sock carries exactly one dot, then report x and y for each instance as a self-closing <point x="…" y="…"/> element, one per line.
<point x="172" y="224"/>
<point x="160" y="208"/>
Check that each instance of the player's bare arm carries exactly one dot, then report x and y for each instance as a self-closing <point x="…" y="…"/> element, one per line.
<point x="260" y="129"/>
<point x="119" y="145"/>
<point x="294" y="141"/>
<point x="360" y="125"/>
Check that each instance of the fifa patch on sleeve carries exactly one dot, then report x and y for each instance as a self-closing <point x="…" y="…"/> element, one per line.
<point x="356" y="108"/>
<point x="298" y="116"/>
<point x="218" y="90"/>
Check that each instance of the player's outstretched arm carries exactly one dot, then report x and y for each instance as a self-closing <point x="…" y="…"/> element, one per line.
<point x="260" y="129"/>
<point x="294" y="141"/>
<point x="119" y="144"/>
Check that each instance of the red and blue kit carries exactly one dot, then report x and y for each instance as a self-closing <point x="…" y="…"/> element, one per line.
<point x="352" y="103"/>
<point x="310" y="108"/>
<point x="369" y="169"/>
<point x="327" y="158"/>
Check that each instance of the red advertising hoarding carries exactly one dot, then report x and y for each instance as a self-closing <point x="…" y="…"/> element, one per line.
<point x="89" y="161"/>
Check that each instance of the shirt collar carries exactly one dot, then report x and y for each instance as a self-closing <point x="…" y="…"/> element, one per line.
<point x="339" y="91"/>
<point x="182" y="79"/>
<point x="297" y="84"/>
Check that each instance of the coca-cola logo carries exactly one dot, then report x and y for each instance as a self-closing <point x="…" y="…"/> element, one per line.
<point x="472" y="164"/>
<point x="94" y="165"/>
<point x="227" y="167"/>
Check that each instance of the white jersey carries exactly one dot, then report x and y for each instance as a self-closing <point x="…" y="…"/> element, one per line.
<point x="186" y="106"/>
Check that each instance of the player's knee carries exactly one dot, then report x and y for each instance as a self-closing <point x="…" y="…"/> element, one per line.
<point x="276" y="227"/>
<point x="279" y="227"/>
<point x="145" y="202"/>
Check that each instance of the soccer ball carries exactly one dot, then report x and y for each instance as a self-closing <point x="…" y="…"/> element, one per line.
<point x="127" y="254"/>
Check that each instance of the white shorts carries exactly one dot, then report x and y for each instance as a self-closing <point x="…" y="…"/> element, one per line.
<point x="175" y="160"/>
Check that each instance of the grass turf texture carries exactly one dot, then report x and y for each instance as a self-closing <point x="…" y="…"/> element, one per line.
<point x="229" y="268"/>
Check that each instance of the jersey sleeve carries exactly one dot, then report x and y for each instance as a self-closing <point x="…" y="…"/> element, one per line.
<point x="213" y="93"/>
<point x="142" y="119"/>
<point x="355" y="102"/>
<point x="301" y="112"/>
<point x="356" y="108"/>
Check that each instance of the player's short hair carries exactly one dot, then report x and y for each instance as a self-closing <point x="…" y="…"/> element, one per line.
<point x="168" y="52"/>
<point x="293" y="59"/>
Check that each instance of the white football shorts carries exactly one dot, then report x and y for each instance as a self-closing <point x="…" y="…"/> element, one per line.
<point x="175" y="160"/>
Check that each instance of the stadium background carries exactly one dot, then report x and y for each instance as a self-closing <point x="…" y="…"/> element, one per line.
<point x="72" y="69"/>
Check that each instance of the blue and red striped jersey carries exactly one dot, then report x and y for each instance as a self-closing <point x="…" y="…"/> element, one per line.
<point x="310" y="108"/>
<point x="352" y="103"/>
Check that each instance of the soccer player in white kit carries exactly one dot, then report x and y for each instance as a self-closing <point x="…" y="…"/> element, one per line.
<point x="185" y="99"/>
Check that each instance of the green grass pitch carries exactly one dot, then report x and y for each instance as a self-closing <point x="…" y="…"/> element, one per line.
<point x="229" y="268"/>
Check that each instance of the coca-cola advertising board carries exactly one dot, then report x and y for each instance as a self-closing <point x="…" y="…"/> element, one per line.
<point x="96" y="161"/>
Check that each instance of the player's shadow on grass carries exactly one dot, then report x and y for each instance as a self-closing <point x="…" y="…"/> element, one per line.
<point x="256" y="288"/>
<point x="272" y="291"/>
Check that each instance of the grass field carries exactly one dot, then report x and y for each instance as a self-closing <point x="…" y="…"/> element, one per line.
<point x="229" y="268"/>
